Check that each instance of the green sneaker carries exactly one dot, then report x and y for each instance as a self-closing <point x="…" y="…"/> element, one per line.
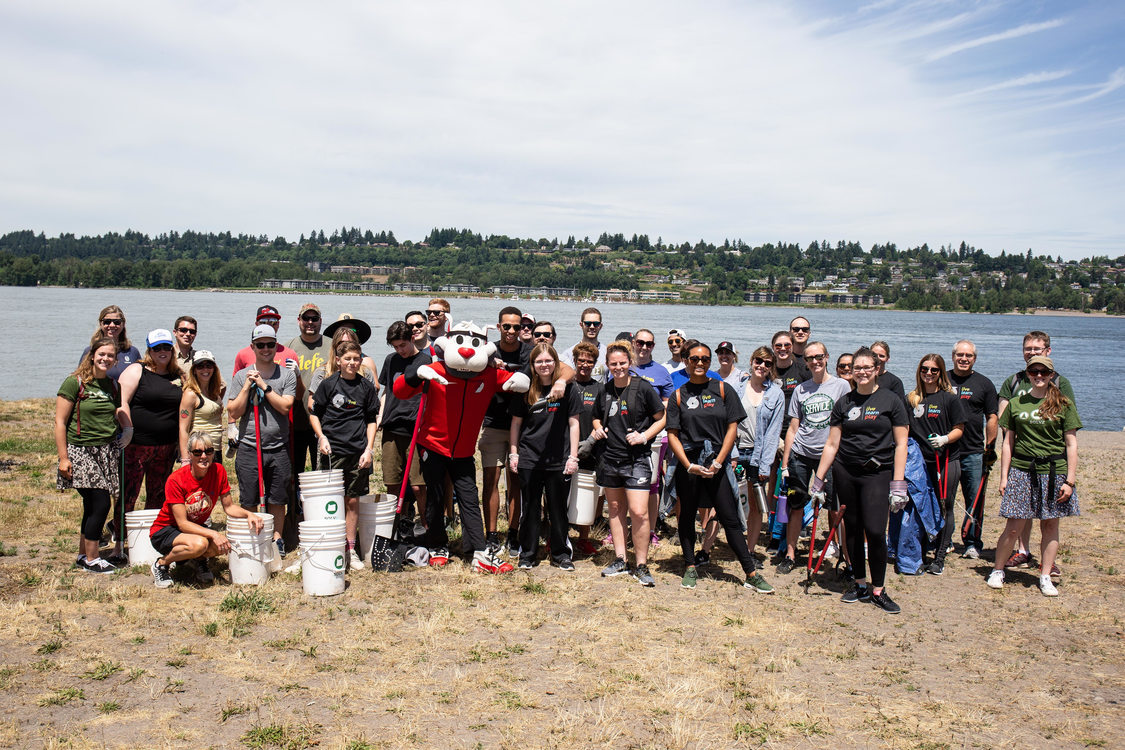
<point x="690" y="578"/>
<point x="757" y="584"/>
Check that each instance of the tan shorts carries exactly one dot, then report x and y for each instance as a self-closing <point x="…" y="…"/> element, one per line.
<point x="394" y="456"/>
<point x="493" y="445"/>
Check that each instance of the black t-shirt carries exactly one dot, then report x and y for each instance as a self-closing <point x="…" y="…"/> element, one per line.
<point x="345" y="408"/>
<point x="936" y="414"/>
<point x="399" y="414"/>
<point x="703" y="411"/>
<point x="866" y="423"/>
<point x="888" y="381"/>
<point x="545" y="432"/>
<point x="791" y="377"/>
<point x="636" y="407"/>
<point x="155" y="408"/>
<point x="979" y="400"/>
<point x="583" y="403"/>
<point x="497" y="414"/>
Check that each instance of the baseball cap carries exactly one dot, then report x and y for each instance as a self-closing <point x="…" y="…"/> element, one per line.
<point x="203" y="356"/>
<point x="1038" y="359"/>
<point x="726" y="345"/>
<point x="159" y="336"/>
<point x="263" y="331"/>
<point x="624" y="336"/>
<point x="528" y="316"/>
<point x="304" y="309"/>
<point x="677" y="332"/>
<point x="267" y="311"/>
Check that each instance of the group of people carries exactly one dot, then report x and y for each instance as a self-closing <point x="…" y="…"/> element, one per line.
<point x="682" y="438"/>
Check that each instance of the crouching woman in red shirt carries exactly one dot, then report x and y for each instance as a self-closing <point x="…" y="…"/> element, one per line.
<point x="190" y="494"/>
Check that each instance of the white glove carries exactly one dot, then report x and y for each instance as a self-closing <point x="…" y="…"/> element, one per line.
<point x="518" y="383"/>
<point x="123" y="438"/>
<point x="816" y="490"/>
<point x="232" y="432"/>
<point x="291" y="364"/>
<point x="937" y="441"/>
<point x="898" y="496"/>
<point x="785" y="472"/>
<point x="428" y="373"/>
<point x="324" y="446"/>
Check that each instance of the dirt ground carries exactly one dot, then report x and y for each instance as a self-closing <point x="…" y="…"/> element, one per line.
<point x="448" y="658"/>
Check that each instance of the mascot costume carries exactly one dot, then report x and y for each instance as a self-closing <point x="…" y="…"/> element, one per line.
<point x="459" y="387"/>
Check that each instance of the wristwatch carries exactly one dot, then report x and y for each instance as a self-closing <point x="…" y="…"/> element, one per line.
<point x="268" y="388"/>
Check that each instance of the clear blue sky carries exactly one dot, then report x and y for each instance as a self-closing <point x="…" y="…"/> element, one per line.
<point x="996" y="123"/>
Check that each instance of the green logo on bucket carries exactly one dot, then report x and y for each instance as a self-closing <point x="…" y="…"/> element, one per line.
<point x="339" y="562"/>
<point x="330" y="507"/>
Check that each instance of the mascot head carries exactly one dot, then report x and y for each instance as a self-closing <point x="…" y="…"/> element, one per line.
<point x="465" y="349"/>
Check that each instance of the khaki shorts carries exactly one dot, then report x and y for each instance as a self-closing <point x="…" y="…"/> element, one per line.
<point x="394" y="461"/>
<point x="493" y="445"/>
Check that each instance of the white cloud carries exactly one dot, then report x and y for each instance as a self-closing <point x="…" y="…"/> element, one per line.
<point x="1003" y="36"/>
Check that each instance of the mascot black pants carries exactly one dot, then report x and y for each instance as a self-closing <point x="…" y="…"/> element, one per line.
<point x="463" y="473"/>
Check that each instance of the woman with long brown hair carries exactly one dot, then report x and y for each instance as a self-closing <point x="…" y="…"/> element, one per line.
<point x="1041" y="444"/>
<point x="544" y="440"/>
<point x="201" y="408"/>
<point x="111" y="324"/>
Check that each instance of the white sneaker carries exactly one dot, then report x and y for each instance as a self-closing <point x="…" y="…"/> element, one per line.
<point x="833" y="550"/>
<point x="996" y="579"/>
<point x="355" y="561"/>
<point x="1047" y="587"/>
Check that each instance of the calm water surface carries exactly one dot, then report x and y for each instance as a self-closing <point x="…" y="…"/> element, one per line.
<point x="47" y="329"/>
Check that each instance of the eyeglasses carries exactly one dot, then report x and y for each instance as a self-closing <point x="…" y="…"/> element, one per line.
<point x="265" y="344"/>
<point x="760" y="361"/>
<point x="960" y="355"/>
<point x="592" y="323"/>
<point x="543" y="335"/>
<point x="783" y="347"/>
<point x="675" y="342"/>
<point x="186" y="331"/>
<point x="113" y="321"/>
<point x="161" y="348"/>
<point x="510" y="326"/>
<point x="1035" y="349"/>
<point x="815" y="357"/>
<point x="929" y="370"/>
<point x="311" y="318"/>
<point x="201" y="452"/>
<point x="417" y="324"/>
<point x="1038" y="372"/>
<point x="799" y="329"/>
<point x="697" y="360"/>
<point x="868" y="368"/>
<point x="642" y="344"/>
<point x="434" y="313"/>
<point x="584" y="362"/>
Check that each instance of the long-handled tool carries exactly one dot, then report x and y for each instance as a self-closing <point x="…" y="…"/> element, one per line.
<point x="812" y="548"/>
<point x="387" y="553"/>
<point x="971" y="513"/>
<point x="831" y="533"/>
<point x="256" y="398"/>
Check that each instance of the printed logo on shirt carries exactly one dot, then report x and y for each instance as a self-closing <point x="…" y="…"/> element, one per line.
<point x="198" y="506"/>
<point x="817" y="408"/>
<point x="870" y="412"/>
<point x="588" y="398"/>
<point x="965" y="392"/>
<point x="854" y="412"/>
<point x="933" y="411"/>
<point x="340" y="401"/>
<point x="309" y="363"/>
<point x="919" y="410"/>
<point x="614" y="407"/>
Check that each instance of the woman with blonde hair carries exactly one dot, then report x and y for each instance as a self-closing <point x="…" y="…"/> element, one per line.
<point x="628" y="416"/>
<point x="111" y="324"/>
<point x="937" y="421"/>
<point x="201" y="408"/>
<point x="544" y="440"/>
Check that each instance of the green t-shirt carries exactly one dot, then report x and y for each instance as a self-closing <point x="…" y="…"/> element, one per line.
<point x="1036" y="436"/>
<point x="93" y="412"/>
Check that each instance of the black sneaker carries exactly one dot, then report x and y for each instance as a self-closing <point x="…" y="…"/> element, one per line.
<point x="857" y="593"/>
<point x="565" y="564"/>
<point x="785" y="567"/>
<point x="280" y="546"/>
<point x="615" y="568"/>
<point x="936" y="568"/>
<point x="98" y="565"/>
<point x="702" y="557"/>
<point x="884" y="602"/>
<point x="161" y="575"/>
<point x="492" y="541"/>
<point x="643" y="576"/>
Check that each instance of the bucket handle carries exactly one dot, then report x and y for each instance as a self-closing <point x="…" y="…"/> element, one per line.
<point x="303" y="554"/>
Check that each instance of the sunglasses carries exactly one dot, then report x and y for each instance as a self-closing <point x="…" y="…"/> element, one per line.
<point x="543" y="335"/>
<point x="204" y="366"/>
<point x="799" y="329"/>
<point x="186" y="331"/>
<point x="201" y="452"/>
<point x="434" y="313"/>
<point x="782" y="346"/>
<point x="592" y="323"/>
<point x="585" y="362"/>
<point x="766" y="362"/>
<point x="1038" y="372"/>
<point x="269" y="321"/>
<point x="697" y="360"/>
<point x="311" y="318"/>
<point x="265" y="345"/>
<point x="419" y="324"/>
<point x="844" y="367"/>
<point x="642" y="344"/>
<point x="510" y="326"/>
<point x="113" y="322"/>
<point x="161" y="348"/>
<point x="929" y="370"/>
<point x="526" y="326"/>
<point x="815" y="357"/>
<point x="675" y="342"/>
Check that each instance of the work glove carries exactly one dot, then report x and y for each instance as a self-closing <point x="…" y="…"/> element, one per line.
<point x="898" y="497"/>
<point x="938" y="441"/>
<point x="816" y="490"/>
<point x="232" y="432"/>
<point x="123" y="439"/>
<point x="990" y="455"/>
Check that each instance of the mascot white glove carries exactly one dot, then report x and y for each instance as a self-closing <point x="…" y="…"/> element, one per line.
<point x="518" y="383"/>
<point x="428" y="373"/>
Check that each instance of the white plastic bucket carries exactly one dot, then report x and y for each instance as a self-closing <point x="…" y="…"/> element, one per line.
<point x="323" y="557"/>
<point x="251" y="555"/>
<point x="376" y="518"/>
<point x="583" y="500"/>
<point x="318" y="478"/>
<point x="137" y="525"/>
<point x="322" y="504"/>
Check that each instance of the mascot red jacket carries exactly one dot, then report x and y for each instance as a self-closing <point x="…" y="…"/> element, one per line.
<point x="462" y="384"/>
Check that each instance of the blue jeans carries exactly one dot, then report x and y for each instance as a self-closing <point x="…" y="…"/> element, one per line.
<point x="972" y="468"/>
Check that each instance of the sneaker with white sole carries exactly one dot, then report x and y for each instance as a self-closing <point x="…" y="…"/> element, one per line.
<point x="615" y="568"/>
<point x="484" y="561"/>
<point x="996" y="579"/>
<point x="161" y="575"/>
<point x="439" y="557"/>
<point x="354" y="560"/>
<point x="756" y="583"/>
<point x="100" y="565"/>
<point x="971" y="553"/>
<point x="691" y="578"/>
<point x="643" y="576"/>
<point x="1047" y="586"/>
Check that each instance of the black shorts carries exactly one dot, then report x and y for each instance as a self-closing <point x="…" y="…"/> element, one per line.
<point x="633" y="475"/>
<point x="278" y="477"/>
<point x="163" y="540"/>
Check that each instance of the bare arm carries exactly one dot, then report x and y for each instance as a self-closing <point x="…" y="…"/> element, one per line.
<point x="790" y="436"/>
<point x="513" y="442"/>
<point x="63" y="410"/>
<point x="991" y="427"/>
<point x="128" y="383"/>
<point x="828" y="455"/>
<point x="1071" y="439"/>
<point x="900" y="434"/>
<point x="728" y="445"/>
<point x="1006" y="458"/>
<point x="187" y="417"/>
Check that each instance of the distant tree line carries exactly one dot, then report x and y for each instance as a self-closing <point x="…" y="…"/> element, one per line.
<point x="719" y="272"/>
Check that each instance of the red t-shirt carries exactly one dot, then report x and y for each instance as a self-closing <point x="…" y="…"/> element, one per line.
<point x="199" y="496"/>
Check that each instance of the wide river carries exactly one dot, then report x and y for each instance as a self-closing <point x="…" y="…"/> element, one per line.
<point x="49" y="327"/>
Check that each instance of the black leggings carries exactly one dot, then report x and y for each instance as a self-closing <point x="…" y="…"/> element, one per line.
<point x="952" y="481"/>
<point x="95" y="508"/>
<point x="536" y="483"/>
<point x="714" y="492"/>
<point x="866" y="497"/>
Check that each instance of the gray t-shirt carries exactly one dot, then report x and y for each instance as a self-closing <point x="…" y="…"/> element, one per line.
<point x="275" y="425"/>
<point x="812" y="404"/>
